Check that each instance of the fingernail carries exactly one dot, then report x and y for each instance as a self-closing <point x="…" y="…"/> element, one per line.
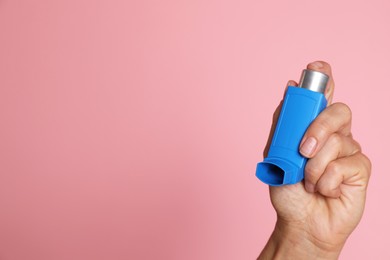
<point x="309" y="187"/>
<point x="316" y="65"/>
<point x="290" y="83"/>
<point x="308" y="146"/>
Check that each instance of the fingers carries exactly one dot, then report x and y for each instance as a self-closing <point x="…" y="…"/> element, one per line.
<point x="337" y="146"/>
<point x="324" y="67"/>
<point x="353" y="171"/>
<point x="334" y="119"/>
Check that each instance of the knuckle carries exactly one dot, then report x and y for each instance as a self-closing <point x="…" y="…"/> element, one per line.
<point x="312" y="172"/>
<point x="323" y="127"/>
<point x="326" y="189"/>
<point x="335" y="140"/>
<point x="323" y="187"/>
<point x="357" y="147"/>
<point x="343" y="109"/>
<point x="366" y="162"/>
<point x="333" y="167"/>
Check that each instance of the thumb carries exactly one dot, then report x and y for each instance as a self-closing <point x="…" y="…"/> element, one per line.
<point x="325" y="68"/>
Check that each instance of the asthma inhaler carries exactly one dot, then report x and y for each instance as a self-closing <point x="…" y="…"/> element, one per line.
<point x="284" y="164"/>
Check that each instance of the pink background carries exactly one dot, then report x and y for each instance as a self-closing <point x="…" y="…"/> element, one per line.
<point x="131" y="129"/>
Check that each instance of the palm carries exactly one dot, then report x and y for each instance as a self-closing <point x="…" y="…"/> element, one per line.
<point x="328" y="220"/>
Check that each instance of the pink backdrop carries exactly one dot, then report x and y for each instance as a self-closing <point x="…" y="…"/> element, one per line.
<point x="131" y="129"/>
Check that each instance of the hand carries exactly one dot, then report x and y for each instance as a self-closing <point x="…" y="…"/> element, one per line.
<point x="315" y="217"/>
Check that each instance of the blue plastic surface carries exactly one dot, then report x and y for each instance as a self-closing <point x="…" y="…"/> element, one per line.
<point x="284" y="164"/>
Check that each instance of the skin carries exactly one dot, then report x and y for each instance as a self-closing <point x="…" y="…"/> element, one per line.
<point x="315" y="217"/>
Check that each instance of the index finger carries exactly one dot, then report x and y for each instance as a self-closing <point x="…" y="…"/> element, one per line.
<point x="336" y="118"/>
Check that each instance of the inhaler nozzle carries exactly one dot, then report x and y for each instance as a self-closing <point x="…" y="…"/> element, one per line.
<point x="313" y="80"/>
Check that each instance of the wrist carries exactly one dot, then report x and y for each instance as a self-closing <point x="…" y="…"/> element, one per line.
<point x="295" y="242"/>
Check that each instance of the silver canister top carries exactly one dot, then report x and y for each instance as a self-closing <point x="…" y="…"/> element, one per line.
<point x="313" y="80"/>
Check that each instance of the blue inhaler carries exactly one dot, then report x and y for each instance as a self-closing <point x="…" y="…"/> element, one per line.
<point x="284" y="164"/>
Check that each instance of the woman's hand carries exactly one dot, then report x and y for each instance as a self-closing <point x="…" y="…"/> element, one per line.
<point x="315" y="217"/>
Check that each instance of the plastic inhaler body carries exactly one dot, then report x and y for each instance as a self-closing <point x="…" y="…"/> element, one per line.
<point x="284" y="164"/>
